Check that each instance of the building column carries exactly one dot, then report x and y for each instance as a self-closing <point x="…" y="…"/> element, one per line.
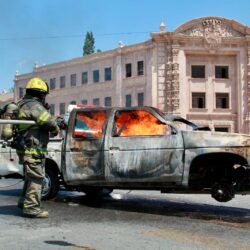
<point x="161" y="76"/>
<point x="175" y="80"/>
<point x="172" y="100"/>
<point x="247" y="130"/>
<point x="151" y="78"/>
<point x="118" y="84"/>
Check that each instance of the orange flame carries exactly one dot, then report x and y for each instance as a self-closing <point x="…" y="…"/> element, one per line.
<point x="91" y="124"/>
<point x="139" y="123"/>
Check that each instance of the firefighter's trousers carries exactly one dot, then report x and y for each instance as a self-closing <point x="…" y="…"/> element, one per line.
<point x="33" y="178"/>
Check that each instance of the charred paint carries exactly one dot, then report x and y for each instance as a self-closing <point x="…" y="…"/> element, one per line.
<point x="145" y="158"/>
<point x="108" y="152"/>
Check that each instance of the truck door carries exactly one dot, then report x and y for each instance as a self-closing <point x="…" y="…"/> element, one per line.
<point x="84" y="146"/>
<point x="142" y="147"/>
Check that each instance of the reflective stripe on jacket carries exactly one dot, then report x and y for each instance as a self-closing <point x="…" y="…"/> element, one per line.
<point x="37" y="135"/>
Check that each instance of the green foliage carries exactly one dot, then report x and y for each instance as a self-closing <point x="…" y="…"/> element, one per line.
<point x="89" y="44"/>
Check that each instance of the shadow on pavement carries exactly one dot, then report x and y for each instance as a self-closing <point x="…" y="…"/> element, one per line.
<point x="136" y="203"/>
<point x="157" y="206"/>
<point x="10" y="210"/>
<point x="66" y="244"/>
<point x="10" y="192"/>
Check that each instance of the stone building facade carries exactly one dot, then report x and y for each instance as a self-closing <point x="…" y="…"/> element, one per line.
<point x="200" y="71"/>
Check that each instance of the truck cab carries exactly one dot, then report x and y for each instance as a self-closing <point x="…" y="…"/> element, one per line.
<point x="122" y="145"/>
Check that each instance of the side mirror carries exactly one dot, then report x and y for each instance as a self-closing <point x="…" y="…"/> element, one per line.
<point x="172" y="128"/>
<point x="173" y="131"/>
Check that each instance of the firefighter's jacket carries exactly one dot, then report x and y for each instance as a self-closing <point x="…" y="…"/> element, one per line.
<point x="35" y="136"/>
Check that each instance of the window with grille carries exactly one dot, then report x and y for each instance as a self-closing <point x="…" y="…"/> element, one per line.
<point x="222" y="100"/>
<point x="84" y="77"/>
<point x="96" y="76"/>
<point x="128" y="100"/>
<point x="73" y="80"/>
<point x="198" y="71"/>
<point x="108" y="101"/>
<point x="107" y="74"/>
<point x="140" y="99"/>
<point x="198" y="100"/>
<point x="221" y="129"/>
<point x="128" y="70"/>
<point x="96" y="101"/>
<point x="84" y="101"/>
<point x="221" y="72"/>
<point x="52" y="83"/>
<point x="140" y="68"/>
<point x="62" y="82"/>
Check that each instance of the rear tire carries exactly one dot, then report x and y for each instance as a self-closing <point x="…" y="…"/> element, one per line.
<point x="50" y="184"/>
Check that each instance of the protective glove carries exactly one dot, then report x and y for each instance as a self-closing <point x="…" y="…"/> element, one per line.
<point x="61" y="123"/>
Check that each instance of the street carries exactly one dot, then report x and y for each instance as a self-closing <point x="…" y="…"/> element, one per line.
<point x="125" y="220"/>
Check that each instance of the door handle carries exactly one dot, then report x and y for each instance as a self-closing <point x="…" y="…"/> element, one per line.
<point x="114" y="148"/>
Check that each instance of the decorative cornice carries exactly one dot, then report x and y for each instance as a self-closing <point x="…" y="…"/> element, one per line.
<point x="212" y="31"/>
<point x="213" y="26"/>
<point x="213" y="21"/>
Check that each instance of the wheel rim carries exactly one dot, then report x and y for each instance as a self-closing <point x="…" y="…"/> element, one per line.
<point x="46" y="186"/>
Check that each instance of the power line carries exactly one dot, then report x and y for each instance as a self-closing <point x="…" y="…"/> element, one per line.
<point x="68" y="36"/>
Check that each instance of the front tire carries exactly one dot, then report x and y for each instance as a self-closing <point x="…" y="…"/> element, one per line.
<point x="50" y="184"/>
<point x="223" y="191"/>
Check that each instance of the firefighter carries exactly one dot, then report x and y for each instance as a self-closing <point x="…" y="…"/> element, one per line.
<point x="33" y="145"/>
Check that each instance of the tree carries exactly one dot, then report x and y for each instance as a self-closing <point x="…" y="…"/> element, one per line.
<point x="89" y="44"/>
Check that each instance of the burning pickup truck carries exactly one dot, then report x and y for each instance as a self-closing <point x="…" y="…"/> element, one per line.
<point x="141" y="148"/>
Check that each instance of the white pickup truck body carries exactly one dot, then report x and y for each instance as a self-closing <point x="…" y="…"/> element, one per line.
<point x="141" y="148"/>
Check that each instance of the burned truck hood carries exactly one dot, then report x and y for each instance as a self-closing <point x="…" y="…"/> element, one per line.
<point x="208" y="139"/>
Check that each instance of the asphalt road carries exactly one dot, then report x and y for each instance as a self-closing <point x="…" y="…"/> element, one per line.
<point x="126" y="220"/>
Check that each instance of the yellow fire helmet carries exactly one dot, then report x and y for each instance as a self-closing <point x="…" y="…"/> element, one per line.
<point x="38" y="84"/>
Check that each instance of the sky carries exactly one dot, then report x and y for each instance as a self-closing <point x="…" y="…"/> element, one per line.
<point x="49" y="31"/>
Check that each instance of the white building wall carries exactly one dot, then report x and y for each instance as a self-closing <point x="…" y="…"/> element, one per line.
<point x="116" y="88"/>
<point x="167" y="82"/>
